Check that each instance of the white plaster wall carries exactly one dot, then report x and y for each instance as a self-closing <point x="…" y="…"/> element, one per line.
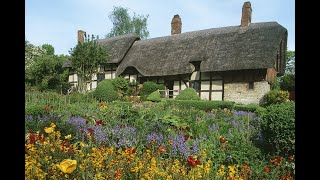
<point x="70" y="78"/>
<point x="175" y="87"/>
<point x="205" y="85"/>
<point x="94" y="84"/>
<point x="107" y="75"/>
<point x="94" y="77"/>
<point x="240" y="92"/>
<point x="216" y="85"/>
<point x="216" y="96"/>
<point x="205" y="95"/>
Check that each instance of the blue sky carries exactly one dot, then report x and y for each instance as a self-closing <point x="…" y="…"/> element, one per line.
<point x="57" y="22"/>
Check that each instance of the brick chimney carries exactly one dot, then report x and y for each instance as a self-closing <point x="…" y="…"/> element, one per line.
<point x="81" y="35"/>
<point x="176" y="25"/>
<point x="246" y="14"/>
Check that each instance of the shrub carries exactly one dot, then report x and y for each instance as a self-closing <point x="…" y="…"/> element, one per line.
<point x="188" y="94"/>
<point x="121" y="85"/>
<point x="80" y="97"/>
<point x="149" y="87"/>
<point x="274" y="97"/>
<point x="201" y="105"/>
<point x="105" y="91"/>
<point x="278" y="127"/>
<point x="287" y="82"/>
<point x="155" y="96"/>
<point x="248" y="107"/>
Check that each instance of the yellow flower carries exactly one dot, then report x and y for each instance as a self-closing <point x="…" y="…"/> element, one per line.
<point x="52" y="125"/>
<point x="68" y="136"/>
<point x="49" y="130"/>
<point x="67" y="165"/>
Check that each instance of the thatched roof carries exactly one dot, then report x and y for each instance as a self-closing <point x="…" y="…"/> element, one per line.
<point x="117" y="46"/>
<point x="219" y="49"/>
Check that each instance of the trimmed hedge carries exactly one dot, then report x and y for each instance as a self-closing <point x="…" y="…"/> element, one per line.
<point x="248" y="107"/>
<point x="202" y="105"/>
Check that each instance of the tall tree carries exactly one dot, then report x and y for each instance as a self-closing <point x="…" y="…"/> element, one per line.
<point x="86" y="58"/>
<point x="290" y="65"/>
<point x="123" y="23"/>
<point x="49" y="49"/>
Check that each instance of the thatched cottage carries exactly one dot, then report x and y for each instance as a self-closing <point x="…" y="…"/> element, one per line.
<point x="235" y="63"/>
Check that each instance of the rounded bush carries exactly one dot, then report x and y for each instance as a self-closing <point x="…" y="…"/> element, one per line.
<point x="149" y="87"/>
<point x="188" y="94"/>
<point x="274" y="97"/>
<point x="155" y="97"/>
<point x="278" y="128"/>
<point x="105" y="91"/>
<point x="121" y="85"/>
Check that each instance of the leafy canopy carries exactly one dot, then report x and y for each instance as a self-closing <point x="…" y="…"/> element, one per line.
<point x="86" y="57"/>
<point x="124" y="24"/>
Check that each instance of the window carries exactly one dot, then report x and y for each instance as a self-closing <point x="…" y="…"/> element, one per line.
<point x="195" y="85"/>
<point x="100" y="77"/>
<point x="250" y="85"/>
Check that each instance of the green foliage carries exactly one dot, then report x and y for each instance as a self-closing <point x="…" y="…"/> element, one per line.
<point x="124" y="24"/>
<point x="85" y="58"/>
<point x="105" y="91"/>
<point x="155" y="96"/>
<point x="287" y="82"/>
<point x="76" y="97"/>
<point x="46" y="73"/>
<point x="274" y="97"/>
<point x="275" y="85"/>
<point x="43" y="69"/>
<point x="290" y="65"/>
<point x="35" y="110"/>
<point x="278" y="127"/>
<point x="188" y="94"/>
<point x="201" y="105"/>
<point x="246" y="107"/>
<point x="149" y="87"/>
<point x="121" y="85"/>
<point x="49" y="49"/>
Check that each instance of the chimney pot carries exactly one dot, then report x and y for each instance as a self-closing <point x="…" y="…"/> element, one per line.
<point x="176" y="25"/>
<point x="81" y="35"/>
<point x="246" y="14"/>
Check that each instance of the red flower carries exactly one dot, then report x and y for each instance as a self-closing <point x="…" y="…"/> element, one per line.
<point x="90" y="131"/>
<point x="133" y="150"/>
<point x="32" y="138"/>
<point x="287" y="176"/>
<point x="99" y="122"/>
<point x="267" y="169"/>
<point x="186" y="137"/>
<point x="192" y="162"/>
<point x="162" y="149"/>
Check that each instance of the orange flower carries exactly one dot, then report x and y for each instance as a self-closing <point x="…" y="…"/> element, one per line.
<point x="162" y="149"/>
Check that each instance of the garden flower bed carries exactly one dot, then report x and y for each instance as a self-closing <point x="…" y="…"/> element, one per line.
<point x="121" y="140"/>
